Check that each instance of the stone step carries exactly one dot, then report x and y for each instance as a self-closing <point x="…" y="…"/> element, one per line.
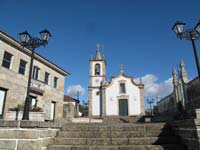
<point x="116" y="134"/>
<point x="117" y="127"/>
<point x="123" y="147"/>
<point x="117" y="141"/>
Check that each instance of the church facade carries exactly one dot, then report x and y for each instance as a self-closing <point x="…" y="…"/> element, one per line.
<point x="119" y="97"/>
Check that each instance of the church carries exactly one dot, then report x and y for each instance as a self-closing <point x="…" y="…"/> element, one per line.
<point x="122" y="96"/>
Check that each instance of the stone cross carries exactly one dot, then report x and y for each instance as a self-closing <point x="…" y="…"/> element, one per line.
<point x="121" y="66"/>
<point x="98" y="47"/>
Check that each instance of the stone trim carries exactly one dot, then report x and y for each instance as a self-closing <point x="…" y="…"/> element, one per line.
<point x="122" y="81"/>
<point x="104" y="101"/>
<point x="119" y="88"/>
<point x="98" y="76"/>
<point x="142" y="101"/>
<point x="123" y="97"/>
<point x="90" y="103"/>
<point x="128" y="77"/>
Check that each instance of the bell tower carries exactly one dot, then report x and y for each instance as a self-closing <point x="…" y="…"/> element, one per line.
<point x="97" y="76"/>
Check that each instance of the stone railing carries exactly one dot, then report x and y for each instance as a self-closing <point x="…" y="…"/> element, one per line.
<point x="37" y="85"/>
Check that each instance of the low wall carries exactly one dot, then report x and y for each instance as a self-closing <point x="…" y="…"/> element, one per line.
<point x="27" y="135"/>
<point x="33" y="116"/>
<point x="189" y="131"/>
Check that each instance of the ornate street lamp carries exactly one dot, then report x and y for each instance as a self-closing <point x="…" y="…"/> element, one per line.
<point x="32" y="43"/>
<point x="150" y="102"/>
<point x="189" y="34"/>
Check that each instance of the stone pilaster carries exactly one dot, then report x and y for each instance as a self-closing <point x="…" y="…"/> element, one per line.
<point x="90" y="102"/>
<point x="176" y="90"/>
<point x="104" y="101"/>
<point x="183" y="72"/>
<point x="142" y="100"/>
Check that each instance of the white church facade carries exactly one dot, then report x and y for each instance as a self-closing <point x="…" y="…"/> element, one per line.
<point x="119" y="97"/>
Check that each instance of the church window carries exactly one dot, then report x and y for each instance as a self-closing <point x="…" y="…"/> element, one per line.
<point x="122" y="88"/>
<point x="97" y="69"/>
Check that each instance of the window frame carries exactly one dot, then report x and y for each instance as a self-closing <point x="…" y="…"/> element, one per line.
<point x="55" y="82"/>
<point x="23" y="68"/>
<point x="35" y="74"/>
<point x="122" y="88"/>
<point x="6" y="61"/>
<point x="46" y="80"/>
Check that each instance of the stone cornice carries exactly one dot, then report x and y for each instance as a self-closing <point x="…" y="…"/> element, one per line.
<point x="128" y="77"/>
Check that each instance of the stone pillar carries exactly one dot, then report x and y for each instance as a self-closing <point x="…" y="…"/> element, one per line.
<point x="176" y="90"/>
<point x="90" y="103"/>
<point x="183" y="72"/>
<point x="103" y="101"/>
<point x="141" y="87"/>
<point x="142" y="100"/>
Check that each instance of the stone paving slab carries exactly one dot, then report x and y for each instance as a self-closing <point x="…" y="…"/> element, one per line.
<point x="116" y="141"/>
<point x="123" y="147"/>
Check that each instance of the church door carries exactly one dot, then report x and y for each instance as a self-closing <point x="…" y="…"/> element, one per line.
<point x="123" y="107"/>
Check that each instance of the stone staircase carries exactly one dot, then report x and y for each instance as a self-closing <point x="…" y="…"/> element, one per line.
<point x="118" y="136"/>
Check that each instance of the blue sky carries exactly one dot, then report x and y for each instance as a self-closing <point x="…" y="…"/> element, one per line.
<point x="136" y="33"/>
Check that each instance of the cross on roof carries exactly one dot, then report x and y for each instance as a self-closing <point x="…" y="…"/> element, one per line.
<point x="121" y="66"/>
<point x="98" y="47"/>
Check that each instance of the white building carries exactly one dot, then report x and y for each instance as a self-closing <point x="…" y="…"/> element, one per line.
<point x="119" y="97"/>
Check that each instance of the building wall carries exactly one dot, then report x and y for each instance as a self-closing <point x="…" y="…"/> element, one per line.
<point x="96" y="102"/>
<point x="185" y="97"/>
<point x="132" y="95"/>
<point x="16" y="84"/>
<point x="167" y="105"/>
<point x="193" y="94"/>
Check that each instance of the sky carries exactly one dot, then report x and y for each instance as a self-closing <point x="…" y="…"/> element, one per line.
<point x="136" y="33"/>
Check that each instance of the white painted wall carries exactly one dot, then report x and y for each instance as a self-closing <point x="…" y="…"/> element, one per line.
<point x="134" y="104"/>
<point x="95" y="103"/>
<point x="96" y="81"/>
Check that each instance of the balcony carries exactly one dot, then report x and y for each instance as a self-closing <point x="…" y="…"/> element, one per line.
<point x="37" y="86"/>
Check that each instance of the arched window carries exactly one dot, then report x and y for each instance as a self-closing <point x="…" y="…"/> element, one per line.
<point x="97" y="69"/>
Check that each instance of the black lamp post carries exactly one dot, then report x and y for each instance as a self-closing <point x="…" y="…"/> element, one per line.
<point x="150" y="102"/>
<point x="189" y="34"/>
<point x="32" y="43"/>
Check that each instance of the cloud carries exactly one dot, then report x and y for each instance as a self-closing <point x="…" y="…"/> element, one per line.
<point x="75" y="89"/>
<point x="153" y="88"/>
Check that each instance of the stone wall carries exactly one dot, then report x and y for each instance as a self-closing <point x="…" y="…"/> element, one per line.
<point x="33" y="116"/>
<point x="27" y="135"/>
<point x="172" y="106"/>
<point x="167" y="105"/>
<point x="189" y="131"/>
<point x="193" y="94"/>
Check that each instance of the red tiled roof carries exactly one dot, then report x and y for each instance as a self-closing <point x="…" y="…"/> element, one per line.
<point x="68" y="98"/>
